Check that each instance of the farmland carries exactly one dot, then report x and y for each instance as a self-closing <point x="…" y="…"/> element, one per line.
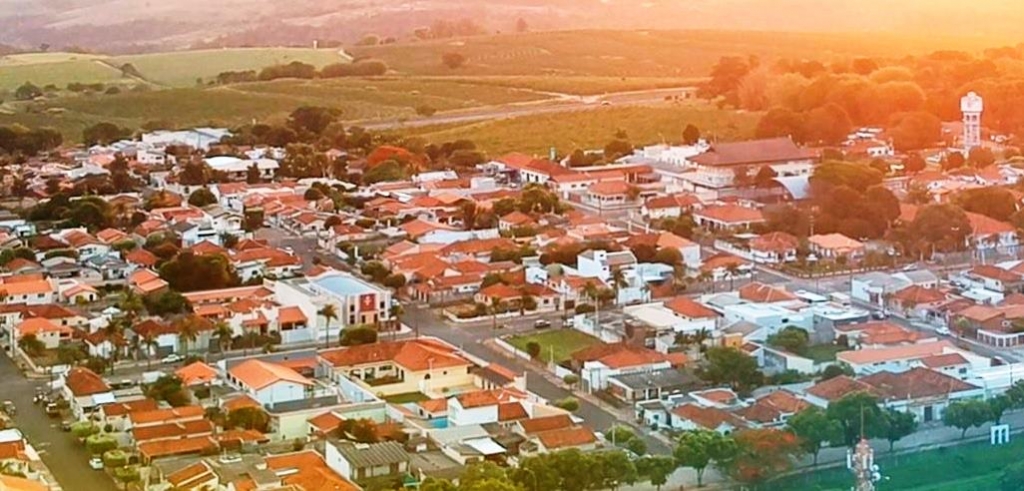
<point x="355" y="99"/>
<point x="632" y="53"/>
<point x="536" y="134"/>
<point x="172" y="69"/>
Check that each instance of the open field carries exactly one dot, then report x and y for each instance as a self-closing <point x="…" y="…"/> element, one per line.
<point x="593" y="128"/>
<point x="582" y="85"/>
<point x="633" y="53"/>
<point x="356" y="99"/>
<point x="974" y="467"/>
<point x="182" y="68"/>
<point x="560" y="344"/>
<point x="58" y="73"/>
<point x="172" y="69"/>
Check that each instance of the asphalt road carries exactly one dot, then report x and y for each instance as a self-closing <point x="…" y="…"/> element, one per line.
<point x="67" y="460"/>
<point x="470" y="337"/>
<point x="556" y="105"/>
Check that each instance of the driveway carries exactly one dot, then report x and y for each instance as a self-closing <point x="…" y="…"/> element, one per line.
<point x="66" y="459"/>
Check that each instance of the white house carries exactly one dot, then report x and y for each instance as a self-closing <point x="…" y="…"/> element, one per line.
<point x="269" y="383"/>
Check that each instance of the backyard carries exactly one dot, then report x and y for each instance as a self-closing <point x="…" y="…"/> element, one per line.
<point x="557" y="344"/>
<point x="974" y="466"/>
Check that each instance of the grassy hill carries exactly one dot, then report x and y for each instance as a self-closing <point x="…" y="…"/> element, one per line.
<point x="636" y="53"/>
<point x="592" y="128"/>
<point x="182" y="68"/>
<point x="356" y="99"/>
<point x="172" y="69"/>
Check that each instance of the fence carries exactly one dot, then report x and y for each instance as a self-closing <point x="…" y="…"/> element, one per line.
<point x="512" y="349"/>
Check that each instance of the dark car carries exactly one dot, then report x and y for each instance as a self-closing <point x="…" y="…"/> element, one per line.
<point x="542" y="324"/>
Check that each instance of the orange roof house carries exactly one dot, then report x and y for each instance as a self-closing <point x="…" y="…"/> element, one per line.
<point x="196" y="373"/>
<point x="256" y="375"/>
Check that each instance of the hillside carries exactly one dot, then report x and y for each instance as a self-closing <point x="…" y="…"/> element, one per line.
<point x="143" y="25"/>
<point x="174" y="69"/>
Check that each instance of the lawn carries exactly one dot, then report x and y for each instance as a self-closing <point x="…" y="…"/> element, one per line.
<point x="560" y="344"/>
<point x="406" y="398"/>
<point x="823" y="352"/>
<point x="536" y="134"/>
<point x="974" y="467"/>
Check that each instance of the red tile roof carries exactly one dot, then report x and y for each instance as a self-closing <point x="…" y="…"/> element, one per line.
<point x="416" y="355"/>
<point x="915" y="383"/>
<point x="835" y="388"/>
<point x="84" y="382"/>
<point x="689" y="308"/>
<point x="566" y="438"/>
<point x="766" y="151"/>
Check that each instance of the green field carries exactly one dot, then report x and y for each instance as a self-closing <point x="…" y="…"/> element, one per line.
<point x="355" y="99"/>
<point x="172" y="69"/>
<point x="582" y="85"/>
<point x="182" y="68"/>
<point x="633" y="53"/>
<point x="536" y="134"/>
<point x="970" y="467"/>
<point x="560" y="343"/>
<point x="58" y="73"/>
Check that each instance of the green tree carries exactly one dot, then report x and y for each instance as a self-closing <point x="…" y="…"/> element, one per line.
<point x="656" y="469"/>
<point x="700" y="448"/>
<point x="104" y="134"/>
<point x="851" y="411"/>
<point x="941" y="227"/>
<point x="27" y="92"/>
<point x="814" y="428"/>
<point x="311" y="119"/>
<point x="570" y="404"/>
<point x="729" y="366"/>
<point x="790" y="338"/>
<point x="249" y="418"/>
<point x="329" y="313"/>
<point x="691" y="135"/>
<point x="358" y="335"/>
<point x="999" y="405"/>
<point x="202" y="197"/>
<point x="187" y="272"/>
<point x="965" y="415"/>
<point x="31" y="345"/>
<point x="897" y="424"/>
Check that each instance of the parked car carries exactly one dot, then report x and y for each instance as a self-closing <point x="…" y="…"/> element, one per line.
<point x="542" y="324"/>
<point x="52" y="410"/>
<point x="943" y="331"/>
<point x="96" y="463"/>
<point x="9" y="408"/>
<point x="172" y="358"/>
<point x="65" y="425"/>
<point x="879" y="315"/>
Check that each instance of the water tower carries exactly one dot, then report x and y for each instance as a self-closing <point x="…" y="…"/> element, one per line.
<point x="971" y="105"/>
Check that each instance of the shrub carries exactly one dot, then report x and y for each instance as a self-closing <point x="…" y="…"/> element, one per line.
<point x="533" y="349"/>
<point x="99" y="444"/>
<point x="115" y="458"/>
<point x="569" y="404"/>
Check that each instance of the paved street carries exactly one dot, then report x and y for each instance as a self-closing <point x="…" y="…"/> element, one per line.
<point x="470" y="338"/>
<point x="66" y="459"/>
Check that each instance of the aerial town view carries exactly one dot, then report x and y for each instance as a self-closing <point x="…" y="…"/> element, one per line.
<point x="511" y="245"/>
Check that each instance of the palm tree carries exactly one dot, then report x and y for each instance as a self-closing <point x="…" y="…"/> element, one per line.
<point x="699" y="338"/>
<point x="734" y="270"/>
<point x="188" y="331"/>
<point x="329" y="313"/>
<point x="149" y="341"/>
<point x="114" y="332"/>
<point x="396" y="312"/>
<point x="618" y="281"/>
<point x="705" y="277"/>
<point x="131" y="304"/>
<point x="224" y="334"/>
<point x="495" y="306"/>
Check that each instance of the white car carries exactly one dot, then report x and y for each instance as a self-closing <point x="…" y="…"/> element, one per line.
<point x="943" y="331"/>
<point x="96" y="463"/>
<point x="172" y="358"/>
